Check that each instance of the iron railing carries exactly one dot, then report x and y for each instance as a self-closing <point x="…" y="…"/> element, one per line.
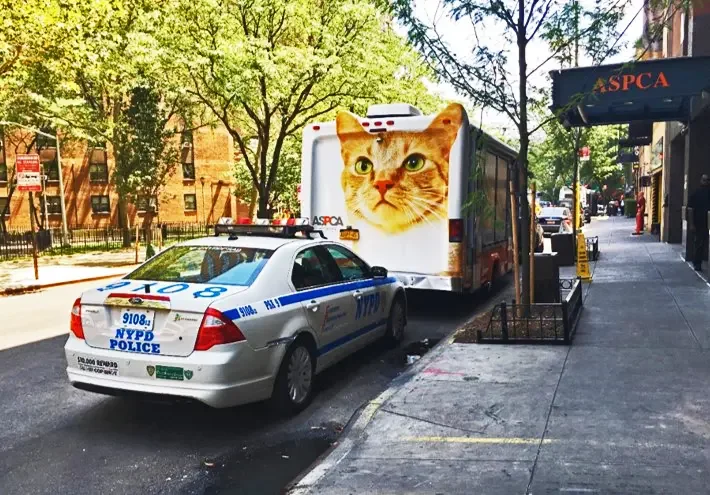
<point x="18" y="243"/>
<point x="542" y="323"/>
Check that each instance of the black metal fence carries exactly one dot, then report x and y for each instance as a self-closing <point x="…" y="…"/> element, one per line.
<point x="543" y="323"/>
<point x="18" y="244"/>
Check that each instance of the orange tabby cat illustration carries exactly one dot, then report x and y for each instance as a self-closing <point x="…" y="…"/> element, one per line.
<point x="399" y="179"/>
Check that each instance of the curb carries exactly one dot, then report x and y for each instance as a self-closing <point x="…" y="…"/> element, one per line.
<point x="14" y="291"/>
<point x="354" y="431"/>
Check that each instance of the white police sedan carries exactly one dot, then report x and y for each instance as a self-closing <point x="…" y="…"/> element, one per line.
<point x="234" y="318"/>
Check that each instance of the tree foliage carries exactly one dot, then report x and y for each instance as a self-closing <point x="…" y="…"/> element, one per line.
<point x="486" y="75"/>
<point x="266" y="68"/>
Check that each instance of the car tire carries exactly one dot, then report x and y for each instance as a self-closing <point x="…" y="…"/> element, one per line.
<point x="396" y="322"/>
<point x="297" y="370"/>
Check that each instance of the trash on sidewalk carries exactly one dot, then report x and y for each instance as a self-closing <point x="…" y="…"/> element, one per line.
<point x="412" y="359"/>
<point x="414" y="351"/>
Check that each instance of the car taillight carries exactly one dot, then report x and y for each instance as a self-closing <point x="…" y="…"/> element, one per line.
<point x="216" y="329"/>
<point x="75" y="324"/>
<point x="455" y="230"/>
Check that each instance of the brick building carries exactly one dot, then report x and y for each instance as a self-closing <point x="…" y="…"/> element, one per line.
<point x="199" y="191"/>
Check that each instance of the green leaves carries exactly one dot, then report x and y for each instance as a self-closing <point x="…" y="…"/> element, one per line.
<point x="266" y="68"/>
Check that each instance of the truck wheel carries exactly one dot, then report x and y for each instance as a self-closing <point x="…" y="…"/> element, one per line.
<point x="396" y="323"/>
<point x="293" y="390"/>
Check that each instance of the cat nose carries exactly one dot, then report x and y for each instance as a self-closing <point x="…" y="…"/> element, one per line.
<point x="383" y="186"/>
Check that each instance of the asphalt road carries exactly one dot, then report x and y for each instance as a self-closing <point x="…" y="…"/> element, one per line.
<point x="56" y="439"/>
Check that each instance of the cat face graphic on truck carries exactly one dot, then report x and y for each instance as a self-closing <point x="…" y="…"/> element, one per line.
<point x="398" y="179"/>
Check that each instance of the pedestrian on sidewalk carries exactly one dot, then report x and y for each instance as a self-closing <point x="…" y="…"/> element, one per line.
<point x="699" y="201"/>
<point x="640" y="211"/>
<point x="622" y="206"/>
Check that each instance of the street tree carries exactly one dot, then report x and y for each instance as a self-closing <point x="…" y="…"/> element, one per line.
<point x="113" y="61"/>
<point x="266" y="68"/>
<point x="486" y="75"/>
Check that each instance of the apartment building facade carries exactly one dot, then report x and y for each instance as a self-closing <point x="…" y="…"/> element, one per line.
<point x="670" y="166"/>
<point x="199" y="191"/>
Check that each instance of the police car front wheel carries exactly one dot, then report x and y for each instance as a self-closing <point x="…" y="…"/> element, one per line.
<point x="396" y="322"/>
<point x="293" y="389"/>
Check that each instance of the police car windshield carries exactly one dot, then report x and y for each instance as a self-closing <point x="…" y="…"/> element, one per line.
<point x="205" y="264"/>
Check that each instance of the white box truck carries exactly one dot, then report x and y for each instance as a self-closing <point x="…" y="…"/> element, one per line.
<point x="407" y="191"/>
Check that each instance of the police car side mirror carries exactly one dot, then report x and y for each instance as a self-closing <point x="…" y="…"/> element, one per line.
<point x="378" y="272"/>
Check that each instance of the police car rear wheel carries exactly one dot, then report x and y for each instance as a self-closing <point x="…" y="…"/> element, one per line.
<point x="396" y="323"/>
<point x="293" y="389"/>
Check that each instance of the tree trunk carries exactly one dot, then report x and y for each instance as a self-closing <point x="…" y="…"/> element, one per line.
<point x="252" y="202"/>
<point x="123" y="221"/>
<point x="263" y="211"/>
<point x="523" y="156"/>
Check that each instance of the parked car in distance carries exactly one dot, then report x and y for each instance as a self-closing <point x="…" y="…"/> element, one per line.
<point x="555" y="219"/>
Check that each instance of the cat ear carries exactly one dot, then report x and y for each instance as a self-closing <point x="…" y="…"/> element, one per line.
<point x="449" y="120"/>
<point x="347" y="124"/>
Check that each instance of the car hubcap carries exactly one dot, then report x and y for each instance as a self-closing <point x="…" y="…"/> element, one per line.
<point x="300" y="372"/>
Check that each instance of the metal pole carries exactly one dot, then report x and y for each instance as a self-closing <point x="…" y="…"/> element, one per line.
<point x="533" y="236"/>
<point x="62" y="205"/>
<point x="44" y="196"/>
<point x="34" y="236"/>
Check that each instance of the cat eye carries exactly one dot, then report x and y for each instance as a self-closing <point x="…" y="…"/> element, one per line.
<point x="414" y="162"/>
<point x="363" y="166"/>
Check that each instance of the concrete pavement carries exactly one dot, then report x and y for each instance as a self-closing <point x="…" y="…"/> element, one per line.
<point x="18" y="276"/>
<point x="625" y="409"/>
<point x="55" y="439"/>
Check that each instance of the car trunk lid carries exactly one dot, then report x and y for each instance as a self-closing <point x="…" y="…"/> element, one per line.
<point x="165" y="321"/>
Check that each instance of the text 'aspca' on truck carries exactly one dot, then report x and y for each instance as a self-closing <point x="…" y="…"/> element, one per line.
<point x="424" y="196"/>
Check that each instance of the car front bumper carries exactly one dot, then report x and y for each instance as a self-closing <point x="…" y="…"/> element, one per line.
<point x="229" y="376"/>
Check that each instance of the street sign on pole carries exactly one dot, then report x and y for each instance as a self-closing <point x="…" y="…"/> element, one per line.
<point x="27" y="170"/>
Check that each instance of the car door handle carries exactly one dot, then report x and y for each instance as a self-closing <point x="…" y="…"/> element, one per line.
<point x="357" y="294"/>
<point x="313" y="305"/>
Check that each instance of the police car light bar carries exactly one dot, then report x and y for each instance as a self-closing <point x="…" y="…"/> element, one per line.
<point x="263" y="227"/>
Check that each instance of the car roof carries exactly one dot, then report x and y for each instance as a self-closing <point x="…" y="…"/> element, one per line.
<point x="247" y="241"/>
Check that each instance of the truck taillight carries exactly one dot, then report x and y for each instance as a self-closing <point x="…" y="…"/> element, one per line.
<point x="217" y="329"/>
<point x="455" y="230"/>
<point x="75" y="325"/>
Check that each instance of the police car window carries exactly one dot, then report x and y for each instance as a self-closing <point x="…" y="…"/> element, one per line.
<point x="205" y="264"/>
<point x="309" y="270"/>
<point x="350" y="266"/>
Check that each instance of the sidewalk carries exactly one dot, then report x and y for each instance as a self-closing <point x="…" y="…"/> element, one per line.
<point x="18" y="276"/>
<point x="625" y="409"/>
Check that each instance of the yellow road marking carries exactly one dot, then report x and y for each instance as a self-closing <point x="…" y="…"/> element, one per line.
<point x="485" y="440"/>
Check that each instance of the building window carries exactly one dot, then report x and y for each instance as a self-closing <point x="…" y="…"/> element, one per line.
<point x="98" y="173"/>
<point x="3" y="205"/>
<point x="187" y="156"/>
<point x="190" y="202"/>
<point x="48" y="158"/>
<point x="188" y="171"/>
<point x="98" y="167"/>
<point x="54" y="206"/>
<point x="100" y="204"/>
<point x="142" y="203"/>
<point x="45" y="142"/>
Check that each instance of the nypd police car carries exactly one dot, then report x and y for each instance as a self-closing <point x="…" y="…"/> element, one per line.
<point x="252" y="313"/>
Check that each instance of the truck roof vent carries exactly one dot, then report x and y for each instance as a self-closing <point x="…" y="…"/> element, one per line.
<point x="393" y="110"/>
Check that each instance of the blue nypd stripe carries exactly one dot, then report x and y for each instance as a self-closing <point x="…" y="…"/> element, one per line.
<point x="351" y="336"/>
<point x="297" y="297"/>
<point x="232" y="314"/>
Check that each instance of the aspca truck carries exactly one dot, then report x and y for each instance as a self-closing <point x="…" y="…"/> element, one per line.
<point x="425" y="196"/>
